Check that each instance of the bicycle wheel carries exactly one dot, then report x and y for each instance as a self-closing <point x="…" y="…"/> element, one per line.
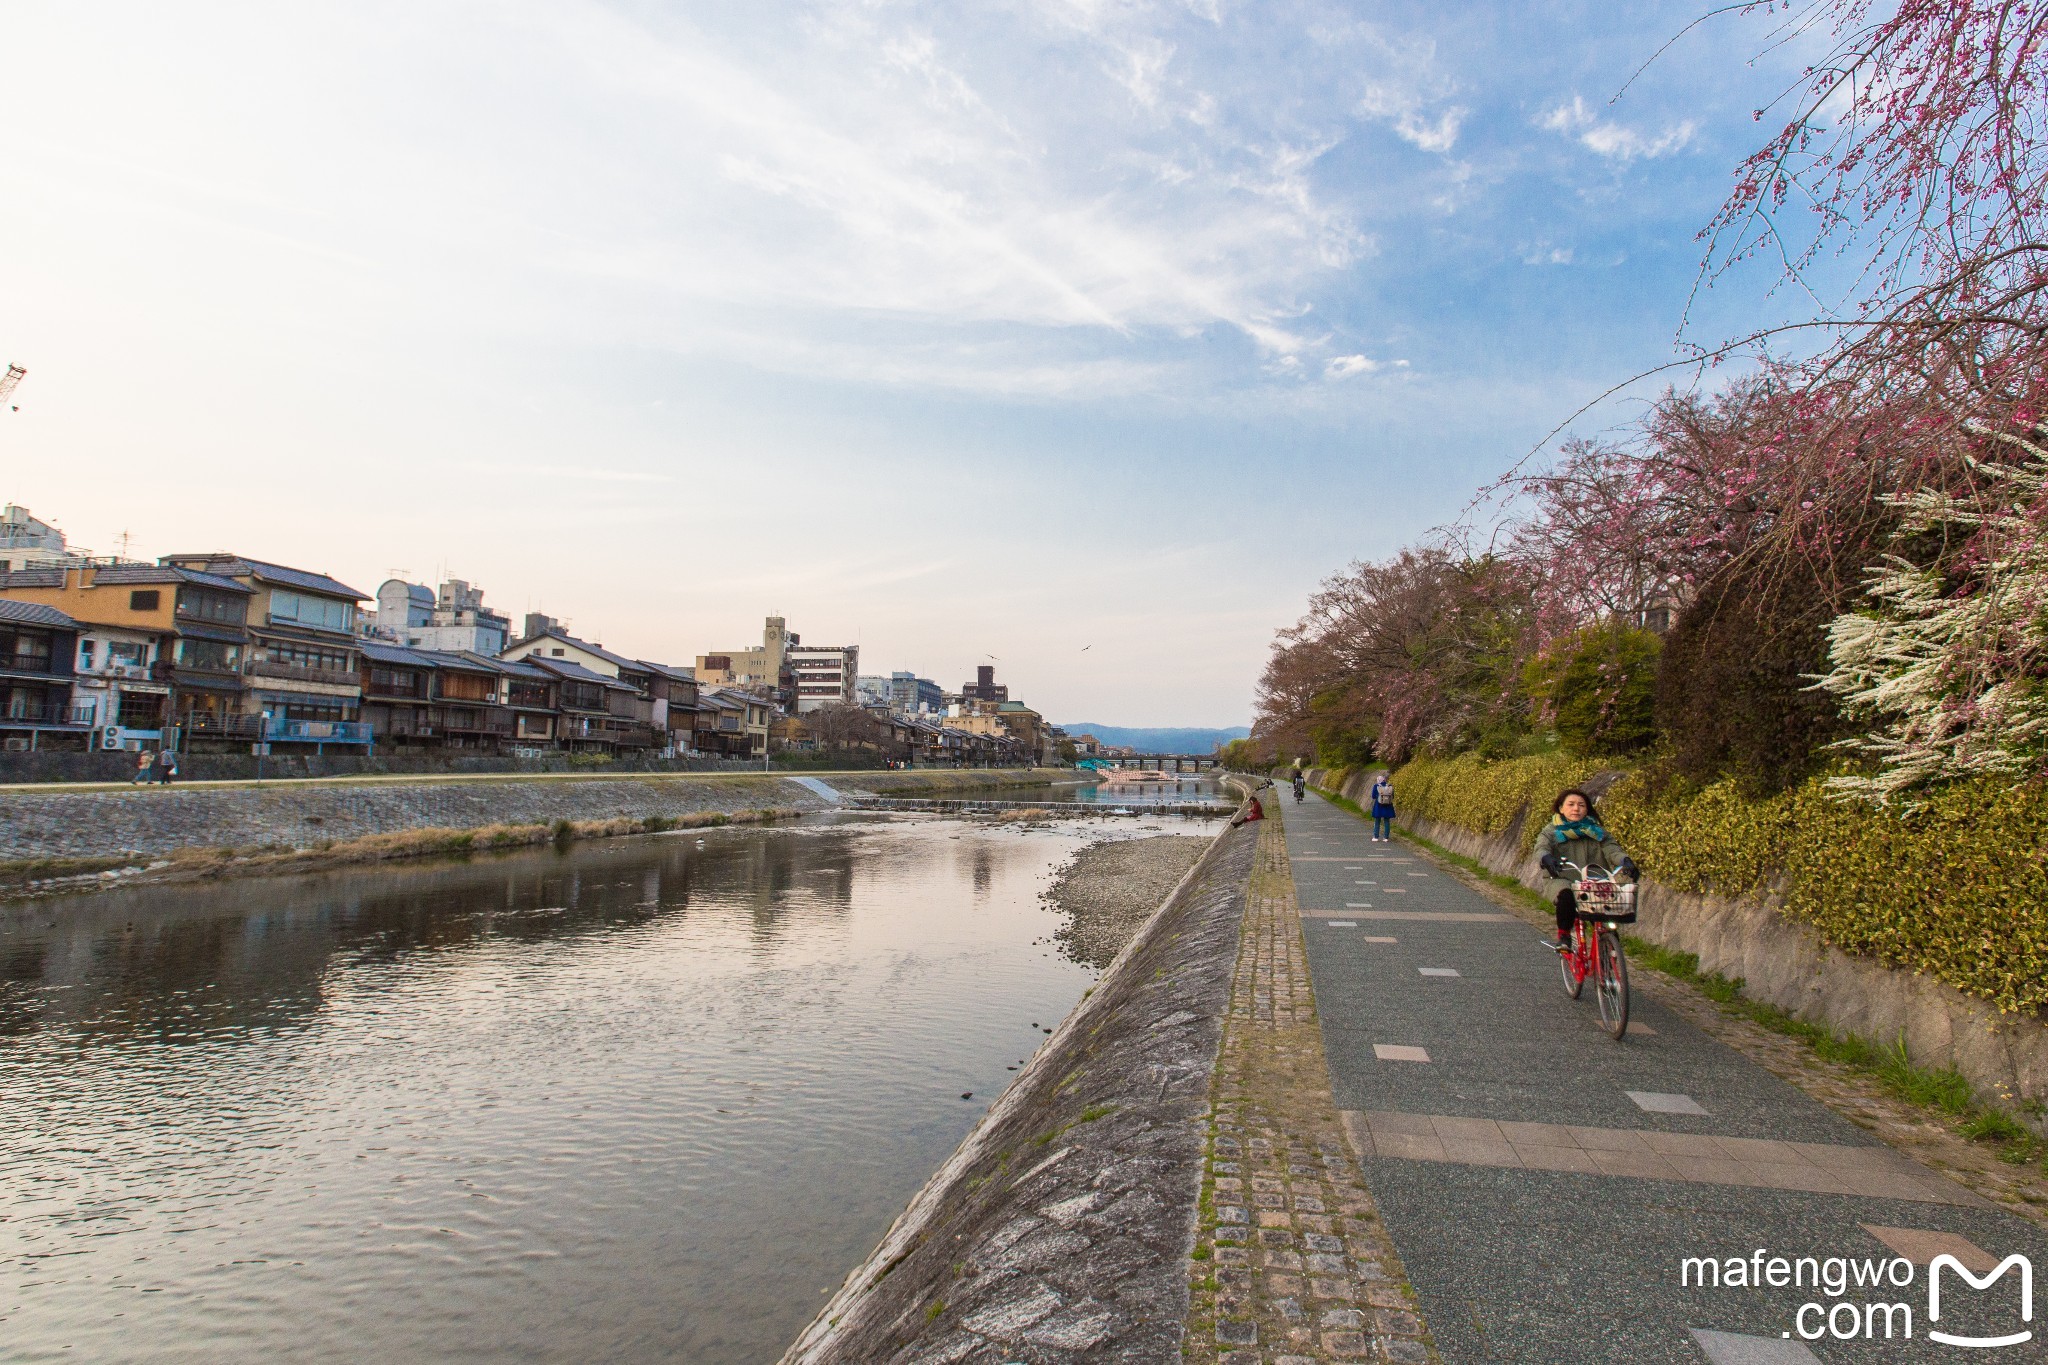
<point x="1568" y="966"/>
<point x="1611" y="984"/>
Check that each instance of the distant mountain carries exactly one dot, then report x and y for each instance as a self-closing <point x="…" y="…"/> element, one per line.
<point x="1163" y="741"/>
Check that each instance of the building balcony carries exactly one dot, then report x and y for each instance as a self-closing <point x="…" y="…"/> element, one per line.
<point x="56" y="713"/>
<point x="34" y="665"/>
<point x="222" y="725"/>
<point x="315" y="731"/>
<point x="307" y="673"/>
<point x="471" y="721"/>
<point x="203" y="675"/>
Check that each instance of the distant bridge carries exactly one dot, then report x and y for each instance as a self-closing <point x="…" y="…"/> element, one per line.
<point x="1165" y="763"/>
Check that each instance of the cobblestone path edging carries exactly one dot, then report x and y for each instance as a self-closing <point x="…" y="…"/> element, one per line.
<point x="1292" y="1263"/>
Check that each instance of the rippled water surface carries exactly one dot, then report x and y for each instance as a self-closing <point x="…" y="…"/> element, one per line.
<point x="646" y="1099"/>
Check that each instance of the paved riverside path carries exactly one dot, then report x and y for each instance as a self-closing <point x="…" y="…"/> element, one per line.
<point x="1542" y="1183"/>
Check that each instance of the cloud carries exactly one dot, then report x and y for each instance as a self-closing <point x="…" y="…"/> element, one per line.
<point x="1614" y="141"/>
<point x="1345" y="366"/>
<point x="1405" y="111"/>
<point x="1554" y="255"/>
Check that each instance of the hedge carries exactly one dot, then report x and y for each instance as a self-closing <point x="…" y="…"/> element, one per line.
<point x="1958" y="891"/>
<point x="1474" y="794"/>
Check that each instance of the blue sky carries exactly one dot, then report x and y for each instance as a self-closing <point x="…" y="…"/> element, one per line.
<point x="956" y="331"/>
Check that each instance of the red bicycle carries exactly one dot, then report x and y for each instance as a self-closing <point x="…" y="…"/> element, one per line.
<point x="1603" y="906"/>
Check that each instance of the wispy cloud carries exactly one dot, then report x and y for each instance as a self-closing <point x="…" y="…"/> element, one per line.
<point x="1612" y="140"/>
<point x="1413" y="121"/>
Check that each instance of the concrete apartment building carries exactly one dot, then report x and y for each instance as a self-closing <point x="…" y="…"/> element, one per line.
<point x="913" y="695"/>
<point x="28" y="543"/>
<point x="759" y="667"/>
<point x="456" y="620"/>
<point x="984" y="688"/>
<point x="823" y="675"/>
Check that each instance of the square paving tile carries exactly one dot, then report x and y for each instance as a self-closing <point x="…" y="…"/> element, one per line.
<point x="1399" y="1052"/>
<point x="1922" y="1245"/>
<point x="1376" y="938"/>
<point x="1730" y="1348"/>
<point x="1657" y="1102"/>
<point x="1439" y="971"/>
<point x="1342" y="923"/>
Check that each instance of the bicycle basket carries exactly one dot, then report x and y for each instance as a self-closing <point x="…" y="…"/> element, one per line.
<point x="1602" y="899"/>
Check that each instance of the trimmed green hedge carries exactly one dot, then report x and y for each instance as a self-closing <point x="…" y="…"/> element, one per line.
<point x="1958" y="891"/>
<point x="1472" y="793"/>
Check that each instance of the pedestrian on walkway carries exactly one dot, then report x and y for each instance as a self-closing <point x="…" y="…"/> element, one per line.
<point x="144" y="761"/>
<point x="1576" y="836"/>
<point x="1382" y="797"/>
<point x="167" y="768"/>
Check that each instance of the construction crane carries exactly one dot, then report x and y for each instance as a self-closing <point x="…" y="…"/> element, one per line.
<point x="7" y="383"/>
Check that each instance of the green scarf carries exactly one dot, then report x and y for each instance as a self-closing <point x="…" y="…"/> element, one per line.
<point x="1564" y="832"/>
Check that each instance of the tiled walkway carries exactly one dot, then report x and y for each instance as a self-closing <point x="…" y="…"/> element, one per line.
<point x="1292" y="1263"/>
<point x="1543" y="1185"/>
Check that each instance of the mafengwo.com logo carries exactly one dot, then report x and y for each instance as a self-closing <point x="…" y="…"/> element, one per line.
<point x="1865" y="1299"/>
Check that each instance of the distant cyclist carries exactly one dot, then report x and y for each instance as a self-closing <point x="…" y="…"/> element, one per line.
<point x="1576" y="836"/>
<point x="1300" y="783"/>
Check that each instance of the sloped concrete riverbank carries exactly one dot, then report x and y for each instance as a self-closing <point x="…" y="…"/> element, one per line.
<point x="1061" y="1228"/>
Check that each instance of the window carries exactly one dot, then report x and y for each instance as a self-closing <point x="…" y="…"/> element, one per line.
<point x="212" y="606"/>
<point x="127" y="652"/>
<point x="144" y="599"/>
<point x="85" y="655"/>
<point x="26" y="651"/>
<point x="307" y="656"/>
<point x="395" y="682"/>
<point x="323" y="613"/>
<point x="529" y="694"/>
<point x="557" y="653"/>
<point x="141" y="710"/>
<point x="212" y="654"/>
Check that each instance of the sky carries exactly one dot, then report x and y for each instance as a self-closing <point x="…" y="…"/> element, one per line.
<point x="1082" y="337"/>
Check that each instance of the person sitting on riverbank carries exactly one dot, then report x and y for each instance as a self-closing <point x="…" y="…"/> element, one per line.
<point x="1382" y="798"/>
<point x="1252" y="811"/>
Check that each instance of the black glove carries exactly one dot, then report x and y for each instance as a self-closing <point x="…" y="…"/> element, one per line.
<point x="1627" y="869"/>
<point x="1551" y="865"/>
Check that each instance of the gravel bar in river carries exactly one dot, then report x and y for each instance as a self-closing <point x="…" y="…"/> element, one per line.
<point x="1112" y="887"/>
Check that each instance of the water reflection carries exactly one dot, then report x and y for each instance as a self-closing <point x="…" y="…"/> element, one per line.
<point x="643" y="1099"/>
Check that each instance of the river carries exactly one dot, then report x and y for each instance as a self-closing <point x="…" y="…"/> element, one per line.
<point x="640" y="1099"/>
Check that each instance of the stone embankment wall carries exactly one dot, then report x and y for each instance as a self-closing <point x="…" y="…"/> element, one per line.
<point x="156" y="820"/>
<point x="1061" y="1228"/>
<point x="1783" y="963"/>
<point x="119" y="766"/>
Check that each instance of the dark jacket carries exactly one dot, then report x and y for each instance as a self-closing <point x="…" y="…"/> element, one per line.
<point x="1586" y="852"/>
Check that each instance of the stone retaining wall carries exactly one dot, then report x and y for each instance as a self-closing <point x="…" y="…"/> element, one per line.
<point x="1061" y="1228"/>
<point x="59" y="824"/>
<point x="56" y="823"/>
<point x="1784" y="963"/>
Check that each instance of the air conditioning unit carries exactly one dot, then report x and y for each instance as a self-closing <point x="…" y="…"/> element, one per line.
<point x="110" y="737"/>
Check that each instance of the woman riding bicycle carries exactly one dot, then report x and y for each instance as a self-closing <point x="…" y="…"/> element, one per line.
<point x="1576" y="837"/>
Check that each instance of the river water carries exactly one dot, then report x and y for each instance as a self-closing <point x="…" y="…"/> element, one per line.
<point x="643" y="1099"/>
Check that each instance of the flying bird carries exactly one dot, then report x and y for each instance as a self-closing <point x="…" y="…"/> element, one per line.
<point x="1086" y="648"/>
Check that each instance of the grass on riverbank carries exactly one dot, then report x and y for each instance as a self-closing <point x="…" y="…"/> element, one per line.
<point x="1945" y="1092"/>
<point x="84" y="874"/>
